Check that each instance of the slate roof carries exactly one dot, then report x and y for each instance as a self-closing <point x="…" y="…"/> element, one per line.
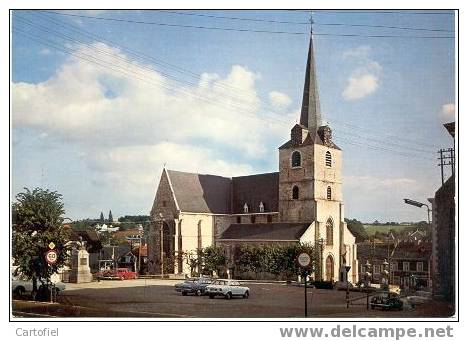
<point x="308" y="141"/>
<point x="268" y="231"/>
<point x="252" y="189"/>
<point x="201" y="193"/>
<point x="403" y="251"/>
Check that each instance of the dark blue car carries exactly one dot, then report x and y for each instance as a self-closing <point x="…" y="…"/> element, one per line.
<point x="194" y="286"/>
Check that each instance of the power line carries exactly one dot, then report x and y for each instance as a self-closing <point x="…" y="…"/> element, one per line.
<point x="303" y="22"/>
<point x="92" y="59"/>
<point x="246" y="30"/>
<point x="370" y="12"/>
<point x="276" y="114"/>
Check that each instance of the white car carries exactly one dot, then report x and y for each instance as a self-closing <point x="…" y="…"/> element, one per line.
<point x="227" y="288"/>
<point x="21" y="285"/>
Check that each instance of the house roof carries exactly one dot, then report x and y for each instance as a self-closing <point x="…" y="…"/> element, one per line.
<point x="365" y="251"/>
<point x="201" y="193"/>
<point x="127" y="233"/>
<point x="267" y="232"/>
<point x="253" y="189"/>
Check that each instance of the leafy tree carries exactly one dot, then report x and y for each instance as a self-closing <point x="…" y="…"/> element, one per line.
<point x="212" y="258"/>
<point x="101" y="218"/>
<point x="111" y="219"/>
<point x="37" y="221"/>
<point x="357" y="229"/>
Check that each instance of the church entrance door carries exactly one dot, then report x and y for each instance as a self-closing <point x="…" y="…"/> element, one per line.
<point x="329" y="268"/>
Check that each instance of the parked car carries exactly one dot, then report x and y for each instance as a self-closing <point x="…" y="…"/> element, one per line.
<point x="387" y="301"/>
<point x="119" y="273"/>
<point x="195" y="286"/>
<point x="227" y="288"/>
<point x="21" y="286"/>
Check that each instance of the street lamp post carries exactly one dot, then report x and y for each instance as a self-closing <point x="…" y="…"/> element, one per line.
<point x="419" y="204"/>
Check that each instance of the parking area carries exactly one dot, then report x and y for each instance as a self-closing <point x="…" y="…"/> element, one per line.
<point x="157" y="298"/>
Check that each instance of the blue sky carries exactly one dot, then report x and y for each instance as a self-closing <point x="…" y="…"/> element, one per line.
<point x="97" y="111"/>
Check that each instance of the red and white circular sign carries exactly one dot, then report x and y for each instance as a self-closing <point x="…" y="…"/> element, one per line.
<point x="304" y="259"/>
<point x="51" y="257"/>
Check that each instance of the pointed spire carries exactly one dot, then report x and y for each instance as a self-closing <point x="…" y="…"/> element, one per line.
<point x="310" y="112"/>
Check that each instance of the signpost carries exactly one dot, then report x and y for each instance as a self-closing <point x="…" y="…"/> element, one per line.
<point x="51" y="257"/>
<point x="304" y="260"/>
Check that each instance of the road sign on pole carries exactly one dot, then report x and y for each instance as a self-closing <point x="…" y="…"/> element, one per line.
<point x="304" y="260"/>
<point x="51" y="257"/>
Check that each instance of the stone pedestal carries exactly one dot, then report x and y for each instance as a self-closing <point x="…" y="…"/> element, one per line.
<point x="80" y="271"/>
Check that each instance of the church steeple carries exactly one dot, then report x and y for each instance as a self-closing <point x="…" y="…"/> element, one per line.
<point x="310" y="112"/>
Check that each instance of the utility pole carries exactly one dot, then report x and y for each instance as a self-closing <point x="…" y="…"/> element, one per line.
<point x="446" y="158"/>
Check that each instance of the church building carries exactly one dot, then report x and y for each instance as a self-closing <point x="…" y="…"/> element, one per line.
<point x="301" y="203"/>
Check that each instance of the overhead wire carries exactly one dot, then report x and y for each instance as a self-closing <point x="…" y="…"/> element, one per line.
<point x="86" y="57"/>
<point x="247" y="30"/>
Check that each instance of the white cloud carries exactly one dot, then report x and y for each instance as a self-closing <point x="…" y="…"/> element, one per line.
<point x="448" y="111"/>
<point x="279" y="100"/>
<point x="130" y="120"/>
<point x="364" y="79"/>
<point x="360" y="86"/>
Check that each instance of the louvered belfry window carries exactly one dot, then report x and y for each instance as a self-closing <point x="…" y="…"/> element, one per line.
<point x="328" y="159"/>
<point x="296" y="159"/>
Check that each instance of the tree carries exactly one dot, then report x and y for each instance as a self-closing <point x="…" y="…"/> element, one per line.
<point x="101" y="218"/>
<point x="111" y="219"/>
<point x="37" y="221"/>
<point x="357" y="229"/>
<point x="212" y="259"/>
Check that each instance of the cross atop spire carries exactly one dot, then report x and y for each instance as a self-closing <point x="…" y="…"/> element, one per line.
<point x="310" y="112"/>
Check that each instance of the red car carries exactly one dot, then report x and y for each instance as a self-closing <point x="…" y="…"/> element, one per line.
<point x="124" y="273"/>
<point x="120" y="273"/>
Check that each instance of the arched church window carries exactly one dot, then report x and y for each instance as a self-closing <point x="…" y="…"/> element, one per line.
<point x="295" y="192"/>
<point x="296" y="159"/>
<point x="328" y="193"/>
<point x="328" y="159"/>
<point x="246" y="208"/>
<point x="329" y="228"/>
<point x="261" y="207"/>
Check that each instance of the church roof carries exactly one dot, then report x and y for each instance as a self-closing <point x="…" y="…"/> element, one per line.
<point x="201" y="193"/>
<point x="252" y="189"/>
<point x="310" y="111"/>
<point x="308" y="141"/>
<point x="267" y="232"/>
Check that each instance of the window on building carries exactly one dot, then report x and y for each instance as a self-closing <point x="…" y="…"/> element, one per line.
<point x="164" y="203"/>
<point x="328" y="193"/>
<point x="246" y="208"/>
<point x="329" y="232"/>
<point x="419" y="266"/>
<point x="405" y="266"/>
<point x="393" y="266"/>
<point x="328" y="159"/>
<point x="295" y="194"/>
<point x="296" y="159"/>
<point x="363" y="269"/>
<point x="376" y="269"/>
<point x="261" y="207"/>
<point x="269" y="218"/>
<point x="238" y="220"/>
<point x="252" y="219"/>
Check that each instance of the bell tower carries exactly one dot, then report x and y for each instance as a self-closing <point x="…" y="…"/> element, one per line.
<point x="310" y="162"/>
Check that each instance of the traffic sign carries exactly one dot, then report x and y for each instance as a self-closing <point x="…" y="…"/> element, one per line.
<point x="304" y="259"/>
<point x="51" y="257"/>
<point x="51" y="245"/>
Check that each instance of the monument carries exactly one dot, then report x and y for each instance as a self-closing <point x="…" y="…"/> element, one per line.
<point x="80" y="271"/>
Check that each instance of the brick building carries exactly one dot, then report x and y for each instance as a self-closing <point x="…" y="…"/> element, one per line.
<point x="409" y="263"/>
<point x="302" y="202"/>
<point x="443" y="245"/>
